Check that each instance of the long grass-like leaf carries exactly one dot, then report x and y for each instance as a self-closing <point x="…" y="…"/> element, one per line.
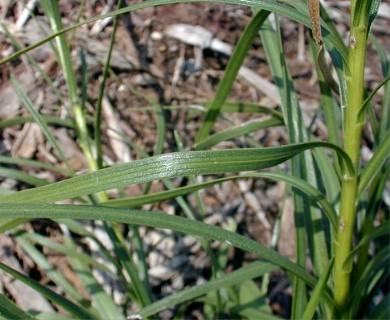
<point x="22" y="176"/>
<point x="383" y="54"/>
<point x="375" y="164"/>
<point x="251" y="271"/>
<point x="234" y="106"/>
<point x="102" y="303"/>
<point x="367" y="101"/>
<point x="376" y="232"/>
<point x="50" y="316"/>
<point x="236" y="131"/>
<point x="126" y="260"/>
<point x="157" y="220"/>
<point x="79" y="229"/>
<point x="11" y="224"/>
<point x="167" y="166"/>
<point x="330" y="178"/>
<point x="329" y="107"/>
<point x="98" y="113"/>
<point x="49" y="269"/>
<point x="52" y="11"/>
<point x="231" y="71"/>
<point x="316" y="295"/>
<point x="9" y="310"/>
<point x="40" y="121"/>
<point x="70" y="252"/>
<point x="272" y="39"/>
<point x="54" y="120"/>
<point x="32" y="163"/>
<point x="74" y="309"/>
<point x="378" y="264"/>
<point x="302" y="185"/>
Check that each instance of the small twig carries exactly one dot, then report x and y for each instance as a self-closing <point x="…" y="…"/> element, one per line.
<point x="25" y="15"/>
<point x="101" y="24"/>
<point x="178" y="68"/>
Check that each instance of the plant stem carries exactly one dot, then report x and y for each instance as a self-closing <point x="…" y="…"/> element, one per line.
<point x="352" y="139"/>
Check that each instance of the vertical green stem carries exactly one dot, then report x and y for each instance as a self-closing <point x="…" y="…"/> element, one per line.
<point x="352" y="138"/>
<point x="53" y="12"/>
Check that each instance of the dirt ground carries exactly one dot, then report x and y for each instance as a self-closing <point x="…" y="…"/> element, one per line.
<point x="150" y="65"/>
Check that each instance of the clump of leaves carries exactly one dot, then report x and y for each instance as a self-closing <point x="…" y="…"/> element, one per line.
<point x="336" y="199"/>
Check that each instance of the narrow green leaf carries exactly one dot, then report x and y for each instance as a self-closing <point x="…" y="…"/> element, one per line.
<point x="32" y="163"/>
<point x="236" y="131"/>
<point x="54" y="120"/>
<point x="367" y="101"/>
<point x="338" y="52"/>
<point x="11" y="224"/>
<point x="300" y="184"/>
<point x="377" y="265"/>
<point x="158" y="220"/>
<point x="40" y="121"/>
<point x="126" y="260"/>
<point x="9" y="310"/>
<point x="383" y="54"/>
<point x="327" y="102"/>
<point x="375" y="165"/>
<point x="233" y="106"/>
<point x="168" y="166"/>
<point x="330" y="178"/>
<point x="22" y="176"/>
<point x="317" y="293"/>
<point x="376" y="232"/>
<point x="98" y="112"/>
<point x="70" y="252"/>
<point x="251" y="271"/>
<point x="363" y="13"/>
<point x="74" y="309"/>
<point x="36" y="66"/>
<point x="373" y="12"/>
<point x="272" y="41"/>
<point x="239" y="54"/>
<point x="52" y="11"/>
<point x="78" y="228"/>
<point x="102" y="303"/>
<point x="251" y="303"/>
<point x="50" y="316"/>
<point x="50" y="271"/>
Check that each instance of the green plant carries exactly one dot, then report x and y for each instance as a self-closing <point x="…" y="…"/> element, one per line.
<point x="331" y="193"/>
